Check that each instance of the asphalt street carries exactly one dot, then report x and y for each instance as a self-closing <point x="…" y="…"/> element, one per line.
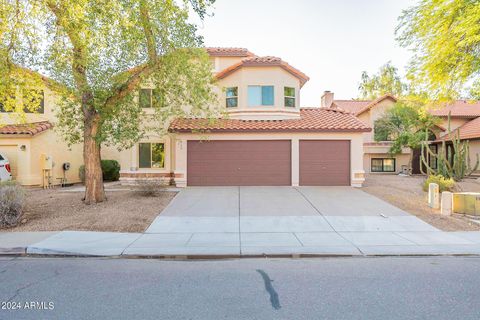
<point x="322" y="288"/>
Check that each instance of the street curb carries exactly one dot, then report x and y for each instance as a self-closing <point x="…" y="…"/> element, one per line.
<point x="13" y="251"/>
<point x="226" y="257"/>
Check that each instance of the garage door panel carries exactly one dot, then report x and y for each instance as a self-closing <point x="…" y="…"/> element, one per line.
<point x="324" y="162"/>
<point x="238" y="162"/>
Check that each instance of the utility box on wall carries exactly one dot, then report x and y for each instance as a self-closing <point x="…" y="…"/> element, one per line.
<point x="46" y="162"/>
<point x="466" y="203"/>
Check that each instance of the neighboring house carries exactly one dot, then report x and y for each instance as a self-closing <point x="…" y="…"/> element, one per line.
<point x="34" y="146"/>
<point x="376" y="158"/>
<point x="465" y="117"/>
<point x="464" y="120"/>
<point x="265" y="139"/>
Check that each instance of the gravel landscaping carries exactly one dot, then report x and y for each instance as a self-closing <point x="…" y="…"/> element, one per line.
<point x="126" y="210"/>
<point x="406" y="193"/>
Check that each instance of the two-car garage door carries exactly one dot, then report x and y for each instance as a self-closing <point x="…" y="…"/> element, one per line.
<point x="239" y="163"/>
<point x="267" y="162"/>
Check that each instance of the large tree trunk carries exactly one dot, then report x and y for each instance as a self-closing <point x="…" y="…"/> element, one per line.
<point x="94" y="191"/>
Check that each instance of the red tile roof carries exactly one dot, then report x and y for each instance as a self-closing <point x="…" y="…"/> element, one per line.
<point x="311" y="120"/>
<point x="458" y="109"/>
<point x="264" y="62"/>
<point x="469" y="130"/>
<point x="358" y="107"/>
<point x="228" y="52"/>
<point x="25" y="128"/>
<point x="352" y="106"/>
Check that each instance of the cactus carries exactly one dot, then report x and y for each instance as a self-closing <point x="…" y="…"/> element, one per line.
<point x="456" y="165"/>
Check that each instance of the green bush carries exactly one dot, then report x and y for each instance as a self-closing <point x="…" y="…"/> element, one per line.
<point x="110" y="170"/>
<point x="444" y="184"/>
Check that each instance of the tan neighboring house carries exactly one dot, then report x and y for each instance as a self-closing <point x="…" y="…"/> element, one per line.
<point x="376" y="158"/>
<point x="266" y="139"/>
<point x="34" y="149"/>
<point x="465" y="117"/>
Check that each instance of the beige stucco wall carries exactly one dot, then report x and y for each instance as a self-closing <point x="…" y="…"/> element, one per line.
<point x="356" y="145"/>
<point x="129" y="158"/>
<point x="376" y="112"/>
<point x="220" y="63"/>
<point x="251" y="76"/>
<point x="28" y="165"/>
<point x="454" y="122"/>
<point x="474" y="150"/>
<point x="400" y="160"/>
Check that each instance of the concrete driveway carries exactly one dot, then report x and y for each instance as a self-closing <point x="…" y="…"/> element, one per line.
<point x="258" y="221"/>
<point x="261" y="219"/>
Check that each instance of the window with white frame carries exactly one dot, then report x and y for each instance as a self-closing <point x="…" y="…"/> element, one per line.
<point x="289" y="94"/>
<point x="260" y="96"/>
<point x="151" y="155"/>
<point x="147" y="98"/>
<point x="231" y="97"/>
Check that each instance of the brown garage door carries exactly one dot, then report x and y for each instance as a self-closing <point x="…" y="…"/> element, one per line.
<point x="239" y="163"/>
<point x="324" y="162"/>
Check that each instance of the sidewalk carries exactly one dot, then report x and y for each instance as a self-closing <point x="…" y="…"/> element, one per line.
<point x="234" y="244"/>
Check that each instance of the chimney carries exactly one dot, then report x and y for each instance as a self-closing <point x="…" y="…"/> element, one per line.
<point x="327" y="99"/>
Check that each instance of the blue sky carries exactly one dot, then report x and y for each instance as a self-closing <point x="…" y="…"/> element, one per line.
<point x="331" y="41"/>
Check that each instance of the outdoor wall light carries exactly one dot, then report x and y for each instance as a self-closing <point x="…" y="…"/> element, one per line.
<point x="23" y="147"/>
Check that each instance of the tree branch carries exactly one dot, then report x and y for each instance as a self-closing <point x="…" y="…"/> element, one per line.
<point x="147" y="29"/>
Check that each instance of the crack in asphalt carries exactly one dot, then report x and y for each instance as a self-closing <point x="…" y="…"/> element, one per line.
<point x="274" y="300"/>
<point x="30" y="284"/>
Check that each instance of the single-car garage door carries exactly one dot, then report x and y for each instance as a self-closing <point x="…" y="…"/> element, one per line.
<point x="324" y="162"/>
<point x="239" y="163"/>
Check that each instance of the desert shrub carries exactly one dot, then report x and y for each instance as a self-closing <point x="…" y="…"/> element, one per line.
<point x="149" y="187"/>
<point x="12" y="202"/>
<point x="444" y="184"/>
<point x="110" y="171"/>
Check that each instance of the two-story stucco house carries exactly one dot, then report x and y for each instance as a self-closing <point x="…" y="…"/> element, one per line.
<point x="266" y="138"/>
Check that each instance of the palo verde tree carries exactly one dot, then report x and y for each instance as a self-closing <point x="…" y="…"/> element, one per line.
<point x="445" y="38"/>
<point x="98" y="53"/>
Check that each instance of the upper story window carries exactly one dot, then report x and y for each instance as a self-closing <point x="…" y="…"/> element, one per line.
<point x="232" y="97"/>
<point x="151" y="155"/>
<point x="145" y="98"/>
<point x="289" y="94"/>
<point x="260" y="96"/>
<point x="33" y="102"/>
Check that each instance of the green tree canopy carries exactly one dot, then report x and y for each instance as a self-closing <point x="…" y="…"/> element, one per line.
<point x="445" y="38"/>
<point x="100" y="52"/>
<point x="405" y="124"/>
<point x="386" y="80"/>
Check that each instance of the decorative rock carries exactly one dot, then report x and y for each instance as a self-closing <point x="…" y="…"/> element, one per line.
<point x="447" y="201"/>
<point x="433" y="196"/>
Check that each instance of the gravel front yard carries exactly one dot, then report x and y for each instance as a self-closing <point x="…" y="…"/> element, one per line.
<point x="407" y="194"/>
<point x="124" y="211"/>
